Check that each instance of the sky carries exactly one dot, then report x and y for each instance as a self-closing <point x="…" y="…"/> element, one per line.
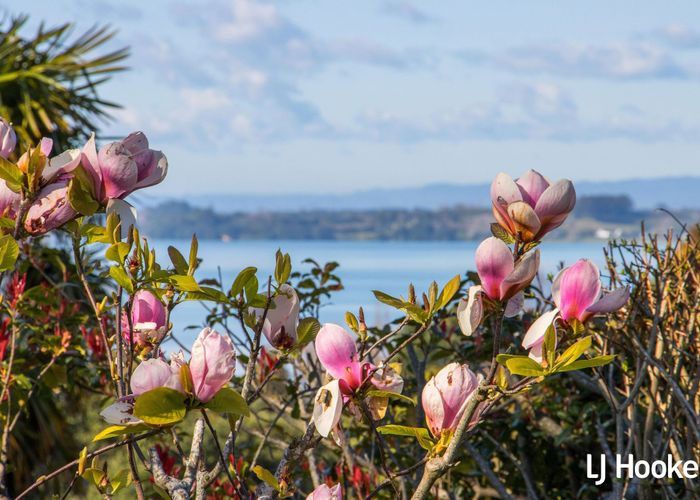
<point x="325" y="97"/>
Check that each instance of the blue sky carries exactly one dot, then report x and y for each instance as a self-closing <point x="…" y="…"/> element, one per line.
<point x="249" y="96"/>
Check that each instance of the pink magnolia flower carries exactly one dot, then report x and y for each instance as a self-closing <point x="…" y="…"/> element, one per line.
<point x="502" y="280"/>
<point x="446" y="395"/>
<point x="148" y="318"/>
<point x="325" y="492"/>
<point x="531" y="206"/>
<point x="212" y="363"/>
<point x="337" y="353"/>
<point x="8" y="138"/>
<point x="51" y="208"/>
<point x="501" y="277"/>
<point x="280" y="327"/>
<point x="154" y="373"/>
<point x="577" y="292"/>
<point x="124" y="166"/>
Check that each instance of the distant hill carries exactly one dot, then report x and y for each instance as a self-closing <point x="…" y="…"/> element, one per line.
<point x="594" y="217"/>
<point x="645" y="194"/>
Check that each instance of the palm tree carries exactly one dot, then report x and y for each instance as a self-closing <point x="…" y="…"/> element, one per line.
<point x="48" y="83"/>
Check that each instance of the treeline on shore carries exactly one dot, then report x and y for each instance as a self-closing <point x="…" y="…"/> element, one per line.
<point x="594" y="217"/>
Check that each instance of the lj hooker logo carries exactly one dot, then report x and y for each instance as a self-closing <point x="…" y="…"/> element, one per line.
<point x="642" y="469"/>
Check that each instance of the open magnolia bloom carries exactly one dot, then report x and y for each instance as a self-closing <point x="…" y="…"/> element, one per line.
<point x="120" y="168"/>
<point x="577" y="292"/>
<point x="534" y="338"/>
<point x="446" y="396"/>
<point x="338" y="354"/>
<point x="325" y="492"/>
<point x="502" y="280"/>
<point x="281" y="321"/>
<point x="531" y="206"/>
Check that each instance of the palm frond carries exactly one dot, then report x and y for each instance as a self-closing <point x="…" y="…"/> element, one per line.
<point x="49" y="82"/>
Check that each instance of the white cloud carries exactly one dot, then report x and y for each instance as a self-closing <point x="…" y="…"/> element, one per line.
<point x="617" y="60"/>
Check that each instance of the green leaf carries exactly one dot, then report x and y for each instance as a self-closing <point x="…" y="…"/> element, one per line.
<point x="179" y="262"/>
<point x="185" y="283"/>
<point x="523" y="365"/>
<point x="251" y="291"/>
<point x="550" y="345"/>
<point x="388" y="299"/>
<point x="503" y="358"/>
<point x="192" y="262"/>
<point x="228" y="401"/>
<point x="7" y="223"/>
<point x="241" y="280"/>
<point x="391" y="395"/>
<point x="283" y="267"/>
<point x="119" y="275"/>
<point x="9" y="251"/>
<point x="588" y="363"/>
<point x="448" y="291"/>
<point x="307" y="330"/>
<point x="119" y="430"/>
<point x="574" y="352"/>
<point x="420" y="433"/>
<point x="118" y="252"/>
<point x="501" y="233"/>
<point x="120" y="480"/>
<point x="352" y="322"/>
<point x="11" y="174"/>
<point x="266" y="476"/>
<point x="81" y="192"/>
<point x="161" y="406"/>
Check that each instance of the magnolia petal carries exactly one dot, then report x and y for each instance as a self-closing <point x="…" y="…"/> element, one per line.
<point x="504" y="191"/>
<point x="127" y="214"/>
<point x="539" y="327"/>
<point x="119" y="170"/>
<point x="385" y="378"/>
<point x="525" y="220"/>
<point x="336" y="350"/>
<point x="433" y="407"/>
<point x="536" y="351"/>
<point x="157" y="174"/>
<point x="579" y="288"/>
<point x="532" y="184"/>
<point x="556" y="287"/>
<point x="523" y="273"/>
<point x="515" y="305"/>
<point x="494" y="261"/>
<point x="470" y="311"/>
<point x="611" y="301"/>
<point x="61" y="164"/>
<point x="120" y="413"/>
<point x="46" y="145"/>
<point x="555" y="204"/>
<point x="328" y="406"/>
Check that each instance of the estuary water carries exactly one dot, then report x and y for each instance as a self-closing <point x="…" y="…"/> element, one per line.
<point x="388" y="266"/>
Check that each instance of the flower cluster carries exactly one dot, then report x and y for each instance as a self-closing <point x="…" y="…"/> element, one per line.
<point x="118" y="169"/>
<point x="211" y="366"/>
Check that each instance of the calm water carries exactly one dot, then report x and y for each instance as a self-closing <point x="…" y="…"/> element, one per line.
<point x="364" y="266"/>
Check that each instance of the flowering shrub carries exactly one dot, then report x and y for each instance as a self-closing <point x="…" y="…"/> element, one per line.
<point x="267" y="402"/>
